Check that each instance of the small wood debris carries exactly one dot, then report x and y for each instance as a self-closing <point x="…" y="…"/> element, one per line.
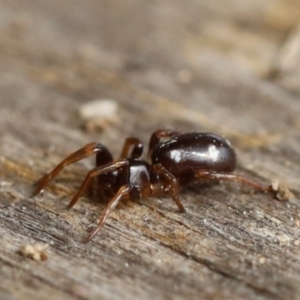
<point x="98" y="114"/>
<point x="35" y="251"/>
<point x="282" y="193"/>
<point x="5" y="184"/>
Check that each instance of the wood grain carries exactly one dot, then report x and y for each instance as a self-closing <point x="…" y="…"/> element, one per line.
<point x="205" y="66"/>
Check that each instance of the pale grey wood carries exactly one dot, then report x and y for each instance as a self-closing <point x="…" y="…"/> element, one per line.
<point x="208" y="66"/>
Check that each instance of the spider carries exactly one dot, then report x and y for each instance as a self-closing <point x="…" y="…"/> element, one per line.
<point x="177" y="159"/>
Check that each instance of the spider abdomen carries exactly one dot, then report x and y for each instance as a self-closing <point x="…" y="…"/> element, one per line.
<point x="184" y="153"/>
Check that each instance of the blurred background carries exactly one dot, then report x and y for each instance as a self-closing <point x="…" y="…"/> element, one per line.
<point x="227" y="66"/>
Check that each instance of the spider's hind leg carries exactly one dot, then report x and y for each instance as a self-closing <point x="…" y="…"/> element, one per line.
<point x="209" y="175"/>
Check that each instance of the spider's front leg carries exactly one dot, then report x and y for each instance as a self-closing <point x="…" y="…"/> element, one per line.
<point x="87" y="151"/>
<point x="122" y="193"/>
<point x="132" y="148"/>
<point x="108" y="168"/>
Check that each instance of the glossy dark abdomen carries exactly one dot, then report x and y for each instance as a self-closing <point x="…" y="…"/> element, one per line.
<point x="183" y="154"/>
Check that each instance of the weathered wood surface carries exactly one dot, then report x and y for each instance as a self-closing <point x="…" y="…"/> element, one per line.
<point x="230" y="67"/>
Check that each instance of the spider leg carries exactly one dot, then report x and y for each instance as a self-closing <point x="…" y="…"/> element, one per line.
<point x="95" y="172"/>
<point x="123" y="192"/>
<point x="208" y="175"/>
<point x="172" y="183"/>
<point x="87" y="151"/>
<point x="156" y="137"/>
<point x="132" y="148"/>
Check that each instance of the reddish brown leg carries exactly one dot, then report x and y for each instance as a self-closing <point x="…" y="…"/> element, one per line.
<point x="133" y="148"/>
<point x="207" y="175"/>
<point x="86" y="151"/>
<point x="95" y="172"/>
<point x="172" y="183"/>
<point x="122" y="193"/>
<point x="157" y="136"/>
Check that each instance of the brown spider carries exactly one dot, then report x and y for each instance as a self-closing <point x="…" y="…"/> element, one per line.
<point x="181" y="159"/>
